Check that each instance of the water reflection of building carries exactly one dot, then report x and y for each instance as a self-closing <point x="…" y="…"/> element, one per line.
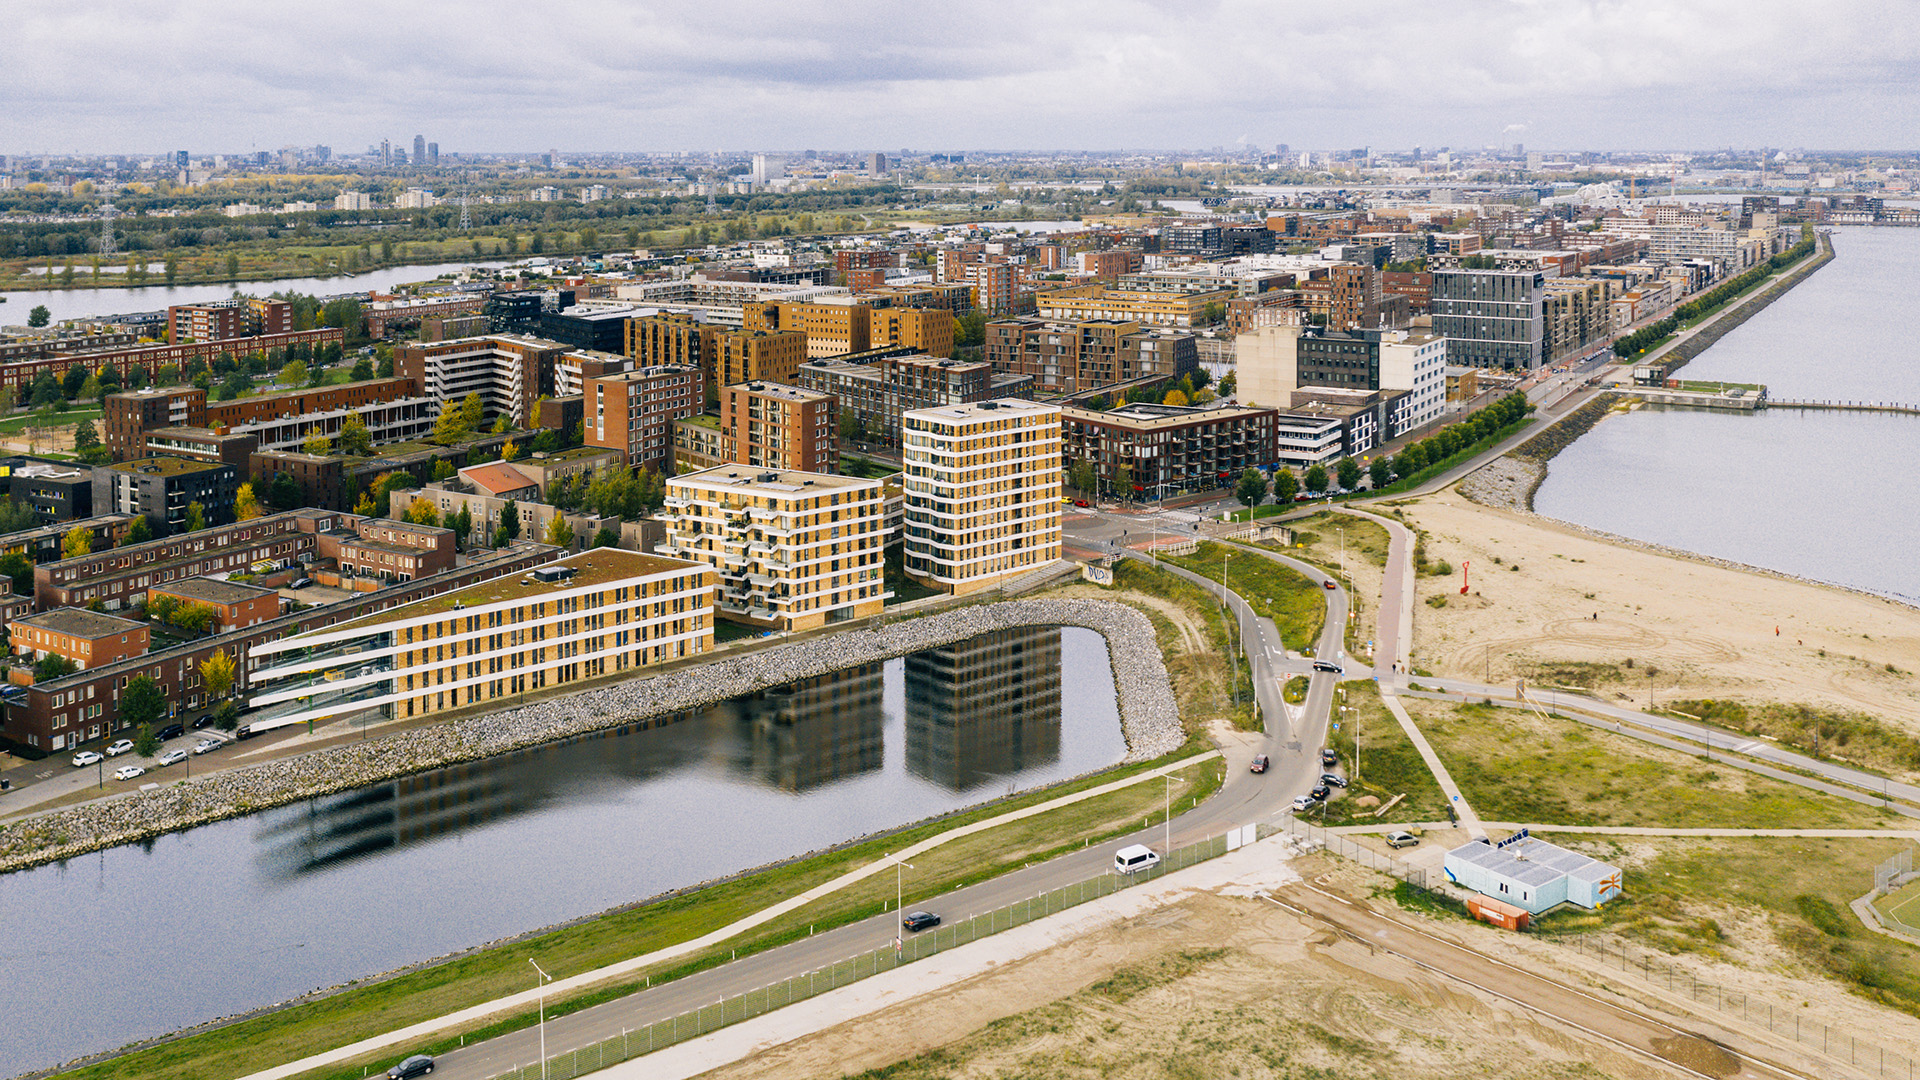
<point x="984" y="707"/>
<point x="814" y="731"/>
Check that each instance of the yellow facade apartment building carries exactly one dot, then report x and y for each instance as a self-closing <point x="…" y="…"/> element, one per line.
<point x="789" y="550"/>
<point x="725" y="355"/>
<point x="982" y="485"/>
<point x="597" y="613"/>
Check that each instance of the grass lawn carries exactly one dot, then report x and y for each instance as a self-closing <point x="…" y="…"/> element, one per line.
<point x="725" y="630"/>
<point x="865" y="468"/>
<point x="14" y="425"/>
<point x="1513" y="765"/>
<point x="1297" y="606"/>
<point x="1389" y="763"/>
<point x="357" y="1013"/>
<point x="1203" y="672"/>
<point x="1677" y="890"/>
<point x="1317" y="539"/>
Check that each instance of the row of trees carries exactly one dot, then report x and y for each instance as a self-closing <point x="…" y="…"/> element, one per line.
<point x="1638" y="342"/>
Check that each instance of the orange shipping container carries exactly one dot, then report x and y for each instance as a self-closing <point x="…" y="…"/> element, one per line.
<point x="1499" y="913"/>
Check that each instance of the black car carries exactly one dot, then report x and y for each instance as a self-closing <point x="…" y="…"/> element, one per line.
<point x="1320" y="793"/>
<point x="917" y="921"/>
<point x="171" y="731"/>
<point x="205" y="721"/>
<point x="1328" y="665"/>
<point x="417" y="1065"/>
<point x="1329" y="759"/>
<point x="1331" y="780"/>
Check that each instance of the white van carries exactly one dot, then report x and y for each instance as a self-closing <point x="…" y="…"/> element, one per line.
<point x="1135" y="858"/>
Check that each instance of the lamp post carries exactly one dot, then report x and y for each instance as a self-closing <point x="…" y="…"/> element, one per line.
<point x="1233" y="619"/>
<point x="541" y="985"/>
<point x="1342" y="530"/>
<point x="899" y="894"/>
<point x="1169" y="779"/>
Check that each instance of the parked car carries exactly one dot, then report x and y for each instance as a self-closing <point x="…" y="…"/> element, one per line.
<point x="1134" y="858"/>
<point x="173" y="757"/>
<point x="1328" y="759"/>
<point x="1320" y="792"/>
<point x="204" y="722"/>
<point x="301" y="583"/>
<point x="171" y="731"/>
<point x="417" y="1065"/>
<point x="1328" y="665"/>
<point x="1259" y="763"/>
<point x="1303" y="803"/>
<point x="1333" y="780"/>
<point x="128" y="772"/>
<point x="87" y="757"/>
<point x="1401" y="839"/>
<point x="205" y="745"/>
<point x="245" y="731"/>
<point x="917" y="921"/>
<point x="119" y="746"/>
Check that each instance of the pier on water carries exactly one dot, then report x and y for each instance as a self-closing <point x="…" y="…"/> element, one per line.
<point x="1752" y="398"/>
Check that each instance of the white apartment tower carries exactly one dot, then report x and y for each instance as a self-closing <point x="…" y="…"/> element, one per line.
<point x="982" y="491"/>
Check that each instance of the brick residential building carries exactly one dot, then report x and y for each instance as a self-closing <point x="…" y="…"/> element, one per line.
<point x="150" y="359"/>
<point x="1150" y="450"/>
<point x="508" y="372"/>
<point x="127" y="416"/>
<point x="776" y="426"/>
<point x="1070" y="357"/>
<point x="235" y="605"/>
<point x="633" y="412"/>
<point x="982" y="492"/>
<point x="88" y="638"/>
<point x="725" y="356"/>
<point x="878" y="392"/>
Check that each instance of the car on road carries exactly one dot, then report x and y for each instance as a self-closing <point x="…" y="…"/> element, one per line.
<point x="417" y="1065"/>
<point x="1328" y="758"/>
<point x="1134" y="858"/>
<point x="1328" y="665"/>
<point x="1333" y="780"/>
<point x="173" y="757"/>
<point x="87" y="757"/>
<point x="1259" y="763"/>
<point x="1332" y="584"/>
<point x="917" y="921"/>
<point x="204" y="745"/>
<point x="203" y="722"/>
<point x="119" y="746"/>
<point x="1080" y="502"/>
<point x="128" y="772"/>
<point x="1303" y="803"/>
<point x="1401" y="839"/>
<point x="1320" y="792"/>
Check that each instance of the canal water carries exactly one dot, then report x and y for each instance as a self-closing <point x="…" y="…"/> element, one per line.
<point x="88" y="303"/>
<point x="144" y="939"/>
<point x="1829" y="496"/>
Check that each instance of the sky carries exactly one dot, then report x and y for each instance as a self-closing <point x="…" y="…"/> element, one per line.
<point x="602" y="75"/>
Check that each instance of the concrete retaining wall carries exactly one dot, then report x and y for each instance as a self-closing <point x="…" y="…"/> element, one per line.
<point x="1149" y="719"/>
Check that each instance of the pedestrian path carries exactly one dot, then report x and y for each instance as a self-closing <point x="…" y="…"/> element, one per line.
<point x="1643" y="830"/>
<point x="1469" y="820"/>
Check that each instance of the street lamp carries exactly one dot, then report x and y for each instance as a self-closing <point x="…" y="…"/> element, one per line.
<point x="899" y="893"/>
<point x="1169" y="778"/>
<point x="541" y="985"/>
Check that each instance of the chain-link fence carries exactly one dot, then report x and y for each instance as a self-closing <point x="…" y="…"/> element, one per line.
<point x="1781" y="1020"/>
<point x="1309" y="833"/>
<point x="688" y="1025"/>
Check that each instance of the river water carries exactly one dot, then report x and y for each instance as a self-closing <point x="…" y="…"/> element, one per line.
<point x="140" y="940"/>
<point x="1830" y="496"/>
<point x="88" y="303"/>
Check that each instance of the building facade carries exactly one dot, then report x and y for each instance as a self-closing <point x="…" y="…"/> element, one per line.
<point x="774" y="426"/>
<point x="164" y="490"/>
<point x="1494" y="318"/>
<point x="509" y="373"/>
<point x="88" y="638"/>
<point x="633" y="412"/>
<point x="879" y="392"/>
<point x="982" y="487"/>
<point x="1144" y="450"/>
<point x="789" y="550"/>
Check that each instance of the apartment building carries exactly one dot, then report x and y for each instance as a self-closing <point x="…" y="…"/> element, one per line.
<point x="698" y="444"/>
<point x="1578" y="317"/>
<point x="127" y="416"/>
<point x="88" y="638"/>
<point x="220" y="320"/>
<point x="1494" y="317"/>
<point x="150" y="359"/>
<point x="725" y="355"/>
<point x="1069" y="357"/>
<point x="929" y="330"/>
<point x="1146" y="450"/>
<point x="633" y="412"/>
<point x="55" y="490"/>
<point x="164" y="489"/>
<point x="508" y="372"/>
<point x="879" y="391"/>
<point x="1133" y="299"/>
<point x="1405" y="371"/>
<point x="593" y="614"/>
<point x="982" y="490"/>
<point x="833" y="325"/>
<point x="775" y="426"/>
<point x="789" y="550"/>
<point x="234" y="604"/>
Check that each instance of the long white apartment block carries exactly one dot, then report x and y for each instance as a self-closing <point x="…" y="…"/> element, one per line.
<point x="982" y="489"/>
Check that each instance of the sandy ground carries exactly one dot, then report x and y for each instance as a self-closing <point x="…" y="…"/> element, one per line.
<point x="1708" y="631"/>
<point x="1213" y="986"/>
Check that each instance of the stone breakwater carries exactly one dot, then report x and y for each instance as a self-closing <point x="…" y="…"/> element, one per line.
<point x="1511" y="480"/>
<point x="1149" y="719"/>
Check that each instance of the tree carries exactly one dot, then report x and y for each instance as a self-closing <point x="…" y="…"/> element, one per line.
<point x="442" y="470"/>
<point x="354" y="438"/>
<point x="196" y="517"/>
<point x="362" y="369"/>
<point x="1123" y="479"/>
<point x="91" y="388"/>
<point x="74" y="381"/>
<point x="317" y="444"/>
<point x="1285" y="485"/>
<point x="53" y="666"/>
<point x="1081" y="477"/>
<point x="20" y="568"/>
<point x="142" y="702"/>
<point x="1380" y="472"/>
<point x="284" y="492"/>
<point x="1174" y="397"/>
<point x="500" y="537"/>
<point x="606" y="537"/>
<point x="502" y="424"/>
<point x="473" y="412"/>
<point x="15" y="516"/>
<point x="145" y="742"/>
<point x="852" y="426"/>
<point x="137" y="533"/>
<point x="462" y="525"/>
<point x="452" y="425"/>
<point x="227" y="717"/>
<point x="46" y="390"/>
<point x="39" y="316"/>
<point x="1349" y="473"/>
<point x="510" y="520"/>
<point x="1251" y="488"/>
<point x="559" y="533"/>
<point x="78" y="541"/>
<point x="216" y="672"/>
<point x="509" y="450"/>
<point x="1316" y="478"/>
<point x="233" y="386"/>
<point x="294" y="373"/>
<point x="422" y="512"/>
<point x="84" y="436"/>
<point x="246" y="505"/>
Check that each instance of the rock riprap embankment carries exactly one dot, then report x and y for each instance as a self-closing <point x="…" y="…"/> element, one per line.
<point x="1149" y="718"/>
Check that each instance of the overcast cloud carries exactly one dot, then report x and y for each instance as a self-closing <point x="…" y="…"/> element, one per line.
<point x="865" y="74"/>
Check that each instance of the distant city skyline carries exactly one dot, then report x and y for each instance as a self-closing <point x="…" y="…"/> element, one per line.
<point x="1148" y="74"/>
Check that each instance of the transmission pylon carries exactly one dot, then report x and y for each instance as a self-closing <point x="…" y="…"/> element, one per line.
<point x="466" y="219"/>
<point x="106" y="227"/>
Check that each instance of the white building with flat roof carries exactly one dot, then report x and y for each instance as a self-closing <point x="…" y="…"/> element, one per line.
<point x="982" y="485"/>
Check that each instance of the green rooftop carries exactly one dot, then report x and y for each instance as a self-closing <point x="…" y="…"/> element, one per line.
<point x="599" y="566"/>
